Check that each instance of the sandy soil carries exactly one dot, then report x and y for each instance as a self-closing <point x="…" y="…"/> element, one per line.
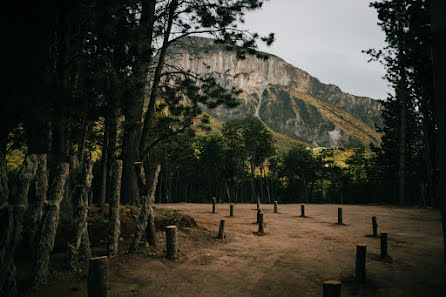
<point x="293" y="258"/>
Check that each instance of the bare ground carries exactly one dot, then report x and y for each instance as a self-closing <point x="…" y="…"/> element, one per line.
<point x="292" y="258"/>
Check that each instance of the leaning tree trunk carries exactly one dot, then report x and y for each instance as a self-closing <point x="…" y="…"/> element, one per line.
<point x="12" y="217"/>
<point x="114" y="225"/>
<point x="50" y="222"/>
<point x="146" y="210"/>
<point x="80" y="205"/>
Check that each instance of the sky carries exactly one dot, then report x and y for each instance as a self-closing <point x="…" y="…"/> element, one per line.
<point x="325" y="38"/>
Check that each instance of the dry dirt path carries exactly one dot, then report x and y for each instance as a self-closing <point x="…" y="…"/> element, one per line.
<point x="293" y="258"/>
<point x="297" y="254"/>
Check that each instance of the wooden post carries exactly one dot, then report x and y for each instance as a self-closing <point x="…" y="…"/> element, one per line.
<point x="259" y="211"/>
<point x="171" y="242"/>
<point x="98" y="277"/>
<point x="258" y="203"/>
<point x="221" y="230"/>
<point x="261" y="230"/>
<point x="361" y="251"/>
<point x="231" y="210"/>
<point x="340" y="215"/>
<point x="332" y="289"/>
<point x="213" y="204"/>
<point x="302" y="210"/>
<point x="275" y="206"/>
<point x="383" y="245"/>
<point x="375" y="227"/>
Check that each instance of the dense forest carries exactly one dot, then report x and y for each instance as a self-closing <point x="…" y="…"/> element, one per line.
<point x="88" y="99"/>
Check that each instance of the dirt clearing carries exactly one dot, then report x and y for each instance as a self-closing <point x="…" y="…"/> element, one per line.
<point x="293" y="257"/>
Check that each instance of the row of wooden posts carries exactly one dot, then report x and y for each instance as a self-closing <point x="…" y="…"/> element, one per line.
<point x="331" y="288"/>
<point x="98" y="266"/>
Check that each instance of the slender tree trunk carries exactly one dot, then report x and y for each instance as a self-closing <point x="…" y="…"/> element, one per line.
<point x="4" y="189"/>
<point x="146" y="210"/>
<point x="83" y="143"/>
<point x="114" y="225"/>
<point x="402" y="149"/>
<point x="13" y="216"/>
<point x="39" y="198"/>
<point x="50" y="222"/>
<point x="252" y="181"/>
<point x="104" y="163"/>
<point x="111" y="154"/>
<point x="80" y="205"/>
<point x="439" y="66"/>
<point x="134" y="111"/>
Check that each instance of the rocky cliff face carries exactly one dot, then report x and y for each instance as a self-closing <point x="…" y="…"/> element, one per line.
<point x="273" y="91"/>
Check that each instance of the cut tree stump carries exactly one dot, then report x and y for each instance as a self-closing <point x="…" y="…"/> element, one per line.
<point x="275" y="206"/>
<point x="213" y="204"/>
<point x="332" y="288"/>
<point x="384" y="245"/>
<point x="231" y="210"/>
<point x="375" y="227"/>
<point x="361" y="251"/>
<point x="302" y="210"/>
<point x="261" y="228"/>
<point x="98" y="277"/>
<point x="221" y="230"/>
<point x="259" y="211"/>
<point x="340" y="215"/>
<point x="171" y="242"/>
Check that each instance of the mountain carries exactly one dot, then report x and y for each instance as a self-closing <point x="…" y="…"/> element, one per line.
<point x="288" y="100"/>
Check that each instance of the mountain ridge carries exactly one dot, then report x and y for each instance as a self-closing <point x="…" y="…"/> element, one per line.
<point x="265" y="80"/>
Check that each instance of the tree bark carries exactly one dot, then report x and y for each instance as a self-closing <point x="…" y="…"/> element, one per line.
<point x="439" y="65"/>
<point x="104" y="163"/>
<point x="134" y="110"/>
<point x="4" y="189"/>
<point x="147" y="198"/>
<point x="80" y="206"/>
<point x="114" y="224"/>
<point x="12" y="216"/>
<point x="39" y="198"/>
<point x="50" y="222"/>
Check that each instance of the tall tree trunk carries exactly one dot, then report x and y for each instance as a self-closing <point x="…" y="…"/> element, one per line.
<point x="83" y="142"/>
<point x="4" y="189"/>
<point x="80" y="207"/>
<point x="39" y="198"/>
<point x="148" y="118"/>
<point x="111" y="154"/>
<point x="402" y="144"/>
<point x="252" y="181"/>
<point x="134" y="110"/>
<point x="147" y="198"/>
<point x="50" y="222"/>
<point x="12" y="217"/>
<point x="439" y="66"/>
<point x="114" y="225"/>
<point x="104" y="163"/>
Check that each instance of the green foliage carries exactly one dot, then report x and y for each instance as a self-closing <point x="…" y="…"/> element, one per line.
<point x="409" y="145"/>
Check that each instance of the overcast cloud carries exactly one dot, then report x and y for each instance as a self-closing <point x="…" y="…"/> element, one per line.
<point x="325" y="38"/>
